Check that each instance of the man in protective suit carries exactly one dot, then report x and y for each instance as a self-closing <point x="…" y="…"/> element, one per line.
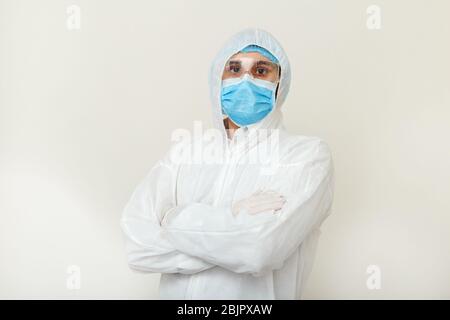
<point x="237" y="228"/>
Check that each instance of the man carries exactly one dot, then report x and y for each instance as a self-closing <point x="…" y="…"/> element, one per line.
<point x="236" y="228"/>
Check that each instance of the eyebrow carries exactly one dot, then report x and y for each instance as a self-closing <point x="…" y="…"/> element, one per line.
<point x="262" y="62"/>
<point x="258" y="63"/>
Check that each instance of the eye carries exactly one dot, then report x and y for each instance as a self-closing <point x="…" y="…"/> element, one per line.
<point x="261" y="71"/>
<point x="234" y="68"/>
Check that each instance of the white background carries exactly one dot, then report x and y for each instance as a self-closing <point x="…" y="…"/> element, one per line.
<point x="84" y="114"/>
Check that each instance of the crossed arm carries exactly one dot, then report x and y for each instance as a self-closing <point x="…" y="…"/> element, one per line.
<point x="165" y="238"/>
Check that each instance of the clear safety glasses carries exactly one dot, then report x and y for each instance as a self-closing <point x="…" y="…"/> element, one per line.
<point x="261" y="69"/>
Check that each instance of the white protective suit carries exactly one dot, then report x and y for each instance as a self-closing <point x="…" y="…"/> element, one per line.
<point x="178" y="221"/>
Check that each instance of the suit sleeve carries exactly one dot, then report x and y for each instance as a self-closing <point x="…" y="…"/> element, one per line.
<point x="147" y="247"/>
<point x="259" y="243"/>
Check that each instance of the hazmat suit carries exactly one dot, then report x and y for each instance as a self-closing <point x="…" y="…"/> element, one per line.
<point x="220" y="229"/>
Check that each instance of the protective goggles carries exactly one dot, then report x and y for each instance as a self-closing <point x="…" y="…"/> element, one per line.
<point x="237" y="67"/>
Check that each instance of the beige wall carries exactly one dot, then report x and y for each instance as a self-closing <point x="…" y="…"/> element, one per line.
<point x="85" y="113"/>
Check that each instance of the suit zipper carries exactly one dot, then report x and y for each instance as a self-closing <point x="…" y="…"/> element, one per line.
<point x="193" y="281"/>
<point x="224" y="176"/>
<point x="232" y="159"/>
<point x="192" y="285"/>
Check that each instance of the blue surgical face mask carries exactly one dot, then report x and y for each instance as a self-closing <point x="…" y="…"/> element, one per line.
<point x="246" y="100"/>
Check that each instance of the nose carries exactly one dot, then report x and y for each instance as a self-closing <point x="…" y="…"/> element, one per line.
<point x="247" y="74"/>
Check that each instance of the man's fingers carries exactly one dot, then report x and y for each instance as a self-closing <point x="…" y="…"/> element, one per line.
<point x="269" y="206"/>
<point x="268" y="203"/>
<point x="266" y="199"/>
<point x="261" y="201"/>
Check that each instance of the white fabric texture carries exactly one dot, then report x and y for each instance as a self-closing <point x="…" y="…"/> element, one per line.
<point x="180" y="222"/>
